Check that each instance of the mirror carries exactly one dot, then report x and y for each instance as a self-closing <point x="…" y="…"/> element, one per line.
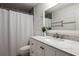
<point x="63" y="16"/>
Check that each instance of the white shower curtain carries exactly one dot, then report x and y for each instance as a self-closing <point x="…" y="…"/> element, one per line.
<point x="15" y="30"/>
<point x="21" y="29"/>
<point x="4" y="48"/>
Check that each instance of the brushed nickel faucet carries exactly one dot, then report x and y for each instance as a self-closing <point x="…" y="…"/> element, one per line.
<point x="57" y="35"/>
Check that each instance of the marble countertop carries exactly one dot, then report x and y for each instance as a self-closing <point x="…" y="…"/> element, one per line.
<point x="66" y="45"/>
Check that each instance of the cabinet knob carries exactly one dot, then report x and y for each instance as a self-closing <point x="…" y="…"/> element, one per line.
<point x="42" y="48"/>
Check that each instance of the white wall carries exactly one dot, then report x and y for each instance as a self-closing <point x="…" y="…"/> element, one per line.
<point x="67" y="14"/>
<point x="38" y="17"/>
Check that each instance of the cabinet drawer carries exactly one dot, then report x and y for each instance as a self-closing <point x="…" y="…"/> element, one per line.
<point x="62" y="53"/>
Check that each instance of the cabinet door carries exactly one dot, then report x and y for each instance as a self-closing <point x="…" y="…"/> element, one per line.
<point x="49" y="51"/>
<point x="33" y="47"/>
<point x="61" y="53"/>
<point x="40" y="49"/>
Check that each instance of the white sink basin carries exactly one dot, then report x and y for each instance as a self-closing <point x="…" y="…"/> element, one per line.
<point x="48" y="38"/>
<point x="59" y="39"/>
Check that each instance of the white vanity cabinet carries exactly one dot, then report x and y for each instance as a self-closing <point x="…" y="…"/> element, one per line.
<point x="38" y="48"/>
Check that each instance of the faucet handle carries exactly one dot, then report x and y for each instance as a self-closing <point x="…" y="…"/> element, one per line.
<point x="56" y="35"/>
<point x="61" y="36"/>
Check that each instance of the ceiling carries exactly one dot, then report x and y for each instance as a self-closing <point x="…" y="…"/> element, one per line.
<point x="58" y="6"/>
<point x="21" y="6"/>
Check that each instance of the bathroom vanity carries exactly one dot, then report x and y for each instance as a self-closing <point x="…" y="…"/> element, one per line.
<point x="64" y="20"/>
<point x="49" y="46"/>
